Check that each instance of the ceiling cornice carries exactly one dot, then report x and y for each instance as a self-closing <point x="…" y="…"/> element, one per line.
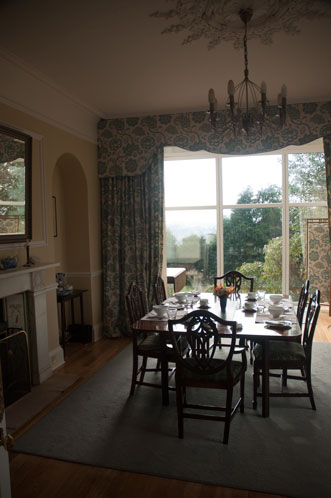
<point x="31" y="92"/>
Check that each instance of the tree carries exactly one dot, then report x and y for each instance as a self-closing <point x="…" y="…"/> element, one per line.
<point x="12" y="186"/>
<point x="273" y="265"/>
<point x="255" y="270"/>
<point x="307" y="178"/>
<point x="247" y="231"/>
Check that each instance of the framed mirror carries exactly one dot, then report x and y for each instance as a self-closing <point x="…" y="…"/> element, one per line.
<point x="15" y="186"/>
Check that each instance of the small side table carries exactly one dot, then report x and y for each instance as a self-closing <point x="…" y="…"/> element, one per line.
<point x="62" y="299"/>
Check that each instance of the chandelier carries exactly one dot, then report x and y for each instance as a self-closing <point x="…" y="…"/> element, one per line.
<point x="247" y="112"/>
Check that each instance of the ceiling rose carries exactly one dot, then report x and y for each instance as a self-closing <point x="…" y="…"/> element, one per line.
<point x="217" y="20"/>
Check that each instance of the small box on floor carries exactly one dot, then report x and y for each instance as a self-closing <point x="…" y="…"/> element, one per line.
<point x="80" y="333"/>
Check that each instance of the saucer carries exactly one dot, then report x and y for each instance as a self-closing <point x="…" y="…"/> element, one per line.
<point x="249" y="310"/>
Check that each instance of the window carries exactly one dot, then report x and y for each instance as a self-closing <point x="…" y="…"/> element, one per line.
<point x="243" y="212"/>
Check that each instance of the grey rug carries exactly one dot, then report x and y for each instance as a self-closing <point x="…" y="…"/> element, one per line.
<point x="99" y="424"/>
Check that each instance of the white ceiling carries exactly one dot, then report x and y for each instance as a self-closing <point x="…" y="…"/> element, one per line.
<point x="110" y="56"/>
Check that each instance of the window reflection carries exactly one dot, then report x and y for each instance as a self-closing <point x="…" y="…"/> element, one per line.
<point x="15" y="182"/>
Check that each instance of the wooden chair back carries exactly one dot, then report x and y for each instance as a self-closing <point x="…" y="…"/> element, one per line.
<point x="303" y="298"/>
<point x="135" y="302"/>
<point x="159" y="291"/>
<point x="202" y="336"/>
<point x="235" y="279"/>
<point x="311" y="321"/>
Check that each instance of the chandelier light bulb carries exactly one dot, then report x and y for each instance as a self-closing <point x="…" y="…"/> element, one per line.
<point x="263" y="87"/>
<point x="231" y="88"/>
<point x="284" y="91"/>
<point x="211" y="96"/>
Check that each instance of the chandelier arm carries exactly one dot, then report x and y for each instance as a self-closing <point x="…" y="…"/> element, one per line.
<point x="249" y="114"/>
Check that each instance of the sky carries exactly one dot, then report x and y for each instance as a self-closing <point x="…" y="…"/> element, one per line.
<point x="193" y="182"/>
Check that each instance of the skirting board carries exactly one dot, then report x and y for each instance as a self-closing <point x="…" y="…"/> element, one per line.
<point x="56" y="357"/>
<point x="97" y="332"/>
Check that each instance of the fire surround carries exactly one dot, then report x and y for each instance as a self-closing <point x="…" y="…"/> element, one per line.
<point x="31" y="280"/>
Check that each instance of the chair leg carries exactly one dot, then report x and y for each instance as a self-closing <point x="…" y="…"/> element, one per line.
<point x="184" y="396"/>
<point x="310" y="388"/>
<point x="251" y="347"/>
<point x="143" y="368"/>
<point x="134" y="373"/>
<point x="255" y="385"/>
<point x="179" y="402"/>
<point x="242" y="393"/>
<point x="284" y="377"/>
<point x="227" y="416"/>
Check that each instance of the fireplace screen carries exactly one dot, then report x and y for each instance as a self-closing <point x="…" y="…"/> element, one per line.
<point x="15" y="364"/>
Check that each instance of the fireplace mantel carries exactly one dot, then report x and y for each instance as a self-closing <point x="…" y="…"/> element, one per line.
<point x="23" y="278"/>
<point x="30" y="279"/>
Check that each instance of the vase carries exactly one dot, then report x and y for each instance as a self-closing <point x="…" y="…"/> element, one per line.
<point x="223" y="301"/>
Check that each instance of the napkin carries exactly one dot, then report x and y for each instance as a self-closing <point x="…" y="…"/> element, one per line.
<point x="277" y="323"/>
<point x="153" y="316"/>
<point x="261" y="317"/>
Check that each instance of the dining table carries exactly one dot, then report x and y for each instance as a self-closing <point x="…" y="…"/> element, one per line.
<point x="252" y="325"/>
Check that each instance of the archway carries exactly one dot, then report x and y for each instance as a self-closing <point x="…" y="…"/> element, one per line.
<point x="71" y="234"/>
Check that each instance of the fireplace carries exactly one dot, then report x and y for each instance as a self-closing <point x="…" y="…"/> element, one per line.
<point x="30" y="281"/>
<point x="15" y="364"/>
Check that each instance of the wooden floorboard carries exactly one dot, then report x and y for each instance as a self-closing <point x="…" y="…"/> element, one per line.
<point x="38" y="477"/>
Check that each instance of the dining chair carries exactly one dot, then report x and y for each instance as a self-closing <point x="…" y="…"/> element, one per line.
<point x="207" y="368"/>
<point x="235" y="279"/>
<point x="303" y="298"/>
<point x="302" y="303"/>
<point x="144" y="345"/>
<point x="291" y="355"/>
<point x="159" y="291"/>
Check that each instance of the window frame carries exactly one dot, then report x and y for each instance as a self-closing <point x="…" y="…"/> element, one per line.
<point x="175" y="154"/>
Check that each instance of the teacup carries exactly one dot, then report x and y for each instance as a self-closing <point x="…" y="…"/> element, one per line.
<point x="180" y="296"/>
<point x="251" y="295"/>
<point x="275" y="310"/>
<point x="249" y="305"/>
<point x="275" y="298"/>
<point x="160" y="309"/>
<point x="203" y="303"/>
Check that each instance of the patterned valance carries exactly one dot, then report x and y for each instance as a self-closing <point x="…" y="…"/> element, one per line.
<point x="126" y="146"/>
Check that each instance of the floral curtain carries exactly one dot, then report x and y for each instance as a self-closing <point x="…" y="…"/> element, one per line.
<point x="318" y="256"/>
<point x="130" y="151"/>
<point x="132" y="239"/>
